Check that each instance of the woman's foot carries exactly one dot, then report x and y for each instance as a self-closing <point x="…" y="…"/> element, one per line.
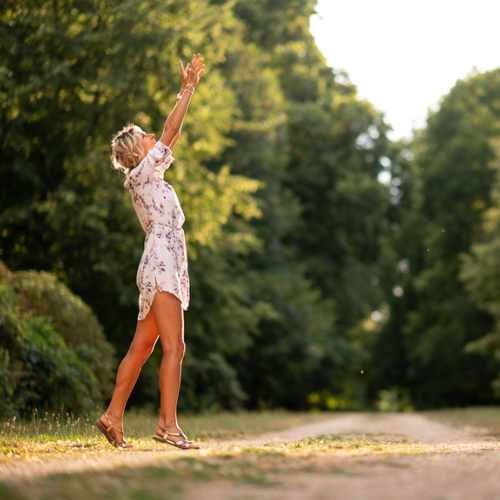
<point x="175" y="438"/>
<point x="112" y="433"/>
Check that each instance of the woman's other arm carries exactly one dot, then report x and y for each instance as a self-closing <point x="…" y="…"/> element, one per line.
<point x="173" y="125"/>
<point x="185" y="79"/>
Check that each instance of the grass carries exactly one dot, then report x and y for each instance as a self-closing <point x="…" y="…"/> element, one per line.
<point x="46" y="427"/>
<point x="54" y="435"/>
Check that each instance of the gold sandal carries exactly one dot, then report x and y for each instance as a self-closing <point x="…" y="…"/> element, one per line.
<point x="182" y="444"/>
<point x="122" y="445"/>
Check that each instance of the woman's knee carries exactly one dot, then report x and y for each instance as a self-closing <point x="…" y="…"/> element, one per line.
<point x="175" y="350"/>
<point x="141" y="351"/>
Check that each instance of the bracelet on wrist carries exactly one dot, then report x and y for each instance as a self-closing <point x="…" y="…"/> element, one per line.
<point x="181" y="93"/>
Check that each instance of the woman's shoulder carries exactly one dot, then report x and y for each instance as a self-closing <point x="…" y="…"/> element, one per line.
<point x="158" y="153"/>
<point x="156" y="161"/>
<point x="162" y="147"/>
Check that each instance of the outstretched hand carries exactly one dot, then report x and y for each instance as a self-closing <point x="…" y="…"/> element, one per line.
<point x="194" y="70"/>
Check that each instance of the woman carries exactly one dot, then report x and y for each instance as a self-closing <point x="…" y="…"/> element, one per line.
<point x="162" y="276"/>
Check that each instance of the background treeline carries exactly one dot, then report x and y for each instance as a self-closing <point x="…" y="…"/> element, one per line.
<point x="313" y="282"/>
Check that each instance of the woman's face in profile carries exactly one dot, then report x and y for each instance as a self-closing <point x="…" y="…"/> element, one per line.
<point x="147" y="140"/>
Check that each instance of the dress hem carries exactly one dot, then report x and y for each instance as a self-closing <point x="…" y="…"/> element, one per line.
<point x="144" y="314"/>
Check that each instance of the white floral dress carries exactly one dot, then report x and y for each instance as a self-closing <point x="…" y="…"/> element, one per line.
<point x="164" y="261"/>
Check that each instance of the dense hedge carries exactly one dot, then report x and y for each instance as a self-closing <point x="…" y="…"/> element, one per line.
<point x="53" y="352"/>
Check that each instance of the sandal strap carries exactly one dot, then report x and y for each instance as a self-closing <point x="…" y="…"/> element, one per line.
<point x="111" y="426"/>
<point x="184" y="443"/>
<point x="180" y="443"/>
<point x="171" y="433"/>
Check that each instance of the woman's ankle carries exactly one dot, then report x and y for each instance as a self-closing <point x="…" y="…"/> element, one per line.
<point x="114" y="418"/>
<point x="169" y="426"/>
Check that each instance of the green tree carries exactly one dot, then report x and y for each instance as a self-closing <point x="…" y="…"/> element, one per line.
<point x="316" y="147"/>
<point x="450" y="183"/>
<point x="333" y="143"/>
<point x="480" y="273"/>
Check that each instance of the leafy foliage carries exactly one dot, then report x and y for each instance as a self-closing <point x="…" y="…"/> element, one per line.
<point x="437" y="321"/>
<point x="480" y="274"/>
<point x="50" y="339"/>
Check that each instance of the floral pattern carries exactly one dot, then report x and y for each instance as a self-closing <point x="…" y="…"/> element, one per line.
<point x="163" y="264"/>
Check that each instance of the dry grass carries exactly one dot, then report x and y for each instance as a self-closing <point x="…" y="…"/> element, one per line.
<point x="56" y="435"/>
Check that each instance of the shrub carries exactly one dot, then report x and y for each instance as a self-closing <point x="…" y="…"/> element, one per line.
<point x="53" y="353"/>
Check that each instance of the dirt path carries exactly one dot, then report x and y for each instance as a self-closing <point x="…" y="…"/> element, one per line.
<point x="464" y="467"/>
<point x="460" y="465"/>
<point x="394" y="426"/>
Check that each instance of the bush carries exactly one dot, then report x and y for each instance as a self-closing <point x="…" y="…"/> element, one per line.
<point x="53" y="353"/>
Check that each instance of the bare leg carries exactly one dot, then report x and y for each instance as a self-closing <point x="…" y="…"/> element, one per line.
<point x="142" y="346"/>
<point x="169" y="318"/>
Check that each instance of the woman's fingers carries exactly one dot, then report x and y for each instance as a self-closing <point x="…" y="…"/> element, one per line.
<point x="196" y="60"/>
<point x="196" y="67"/>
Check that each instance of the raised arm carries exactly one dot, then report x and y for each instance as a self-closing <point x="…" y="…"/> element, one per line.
<point x="185" y="78"/>
<point x="173" y="125"/>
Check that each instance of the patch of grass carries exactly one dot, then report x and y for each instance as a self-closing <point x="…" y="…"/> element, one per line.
<point x="341" y="445"/>
<point x="46" y="427"/>
<point x="56" y="435"/>
<point x="482" y="420"/>
<point x="224" y="425"/>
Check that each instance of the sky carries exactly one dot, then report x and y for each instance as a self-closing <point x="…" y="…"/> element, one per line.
<point x="404" y="56"/>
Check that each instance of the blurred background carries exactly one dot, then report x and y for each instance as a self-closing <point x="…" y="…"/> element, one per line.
<point x="335" y="262"/>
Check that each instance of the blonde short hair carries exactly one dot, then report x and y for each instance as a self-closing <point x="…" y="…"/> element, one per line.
<point x="127" y="150"/>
